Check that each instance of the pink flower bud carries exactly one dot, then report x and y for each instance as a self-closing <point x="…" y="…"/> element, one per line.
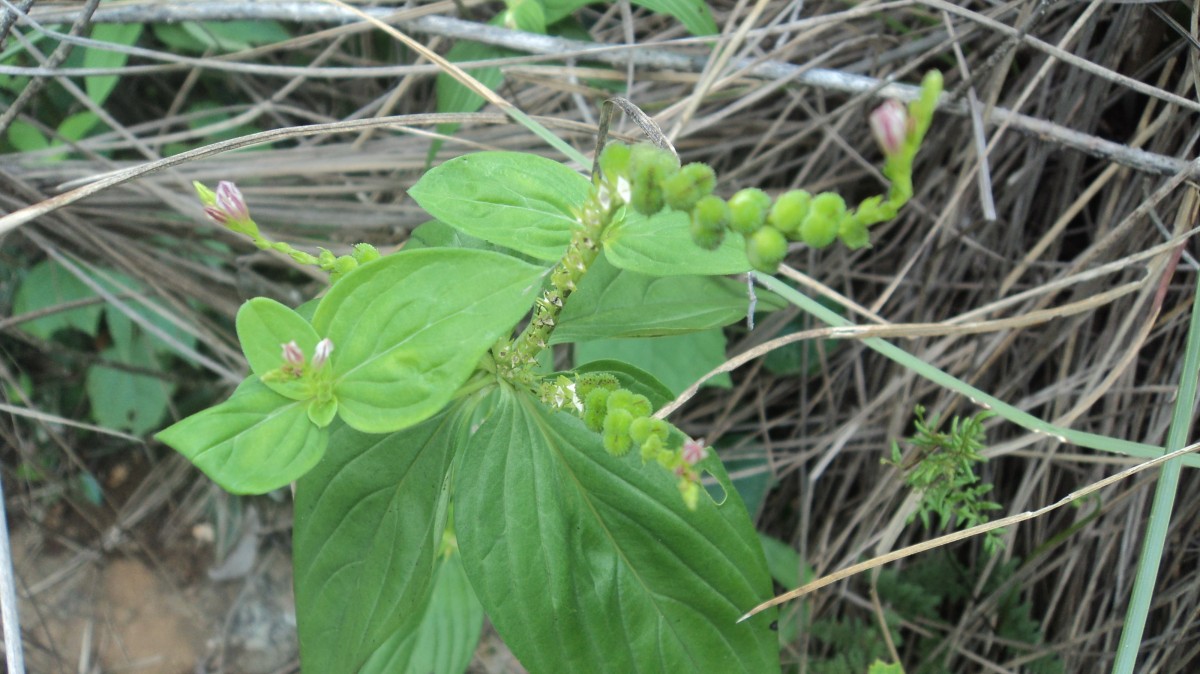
<point x="693" y="451"/>
<point x="292" y="355"/>
<point x="321" y="354"/>
<point x="216" y="215"/>
<point x="889" y="125"/>
<point x="229" y="199"/>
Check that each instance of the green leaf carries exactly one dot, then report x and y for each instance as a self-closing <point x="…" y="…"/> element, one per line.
<point x="453" y="96"/>
<point x="263" y="327"/>
<point x="445" y="640"/>
<point x="516" y="200"/>
<point x="557" y="10"/>
<point x="49" y="285"/>
<point x="693" y="14"/>
<point x="100" y="86"/>
<point x="126" y="400"/>
<point x="677" y="361"/>
<point x="614" y="302"/>
<point x="409" y="329"/>
<point x="369" y="520"/>
<point x="881" y="667"/>
<point x="255" y="442"/>
<point x="662" y="245"/>
<point x="593" y="563"/>
<point x="26" y="137"/>
<point x="75" y="127"/>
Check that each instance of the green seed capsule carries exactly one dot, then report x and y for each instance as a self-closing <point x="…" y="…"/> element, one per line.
<point x="649" y="168"/>
<point x="710" y="216"/>
<point x="616" y="432"/>
<point x="595" y="408"/>
<point x="689" y="185"/>
<point x="765" y="249"/>
<point x="789" y="212"/>
<point x="853" y="233"/>
<point x="748" y="210"/>
<point x="614" y="161"/>
<point x="643" y="428"/>
<point x="825" y="214"/>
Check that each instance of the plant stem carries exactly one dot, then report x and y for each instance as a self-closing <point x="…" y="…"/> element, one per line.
<point x="519" y="358"/>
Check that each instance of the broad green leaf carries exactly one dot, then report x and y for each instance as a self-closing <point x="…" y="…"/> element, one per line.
<point x="633" y="378"/>
<point x="445" y="640"/>
<point x="255" y="442"/>
<point x="49" y="285"/>
<point x="263" y="327"/>
<point x="677" y="361"/>
<point x="436" y="234"/>
<point x="662" y="245"/>
<point x="614" y="302"/>
<point x="26" y="137"/>
<point x="693" y="14"/>
<point x="592" y="563"/>
<point x="409" y="329"/>
<point x="369" y="520"/>
<point x="126" y="400"/>
<point x="516" y="200"/>
<point x="100" y="86"/>
<point x="76" y="126"/>
<point x="526" y="15"/>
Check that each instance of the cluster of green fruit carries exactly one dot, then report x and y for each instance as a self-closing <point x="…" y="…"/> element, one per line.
<point x="649" y="178"/>
<point x="624" y="420"/>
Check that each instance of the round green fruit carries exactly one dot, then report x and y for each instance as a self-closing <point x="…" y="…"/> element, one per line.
<point x="789" y="212"/>
<point x="825" y="214"/>
<point x="689" y="185"/>
<point x="765" y="249"/>
<point x="748" y="210"/>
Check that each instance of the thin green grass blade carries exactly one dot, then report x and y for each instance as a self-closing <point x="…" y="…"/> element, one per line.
<point x="1164" y="501"/>
<point x="1001" y="408"/>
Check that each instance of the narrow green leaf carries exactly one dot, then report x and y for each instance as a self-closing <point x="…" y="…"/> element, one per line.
<point x="677" y="361"/>
<point x="369" y="520"/>
<point x="409" y="329"/>
<point x="445" y="640"/>
<point x="590" y="561"/>
<point x="516" y="200"/>
<point x="100" y="86"/>
<point x="255" y="442"/>
<point x="662" y="245"/>
<point x="693" y="14"/>
<point x="453" y="96"/>
<point x="614" y="302"/>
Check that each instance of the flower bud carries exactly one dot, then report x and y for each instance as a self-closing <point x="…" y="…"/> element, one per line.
<point x="292" y="355"/>
<point x="889" y="125"/>
<point x="748" y="210"/>
<point x="207" y="196"/>
<point x="321" y="354"/>
<point x="229" y="199"/>
<point x="216" y="215"/>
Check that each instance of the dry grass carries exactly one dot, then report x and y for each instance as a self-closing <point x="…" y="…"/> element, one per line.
<point x="1015" y="232"/>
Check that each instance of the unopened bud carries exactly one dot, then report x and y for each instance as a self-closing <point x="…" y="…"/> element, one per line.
<point x="889" y="125"/>
<point x="292" y="355"/>
<point x="321" y="354"/>
<point x="216" y="215"/>
<point x="229" y="199"/>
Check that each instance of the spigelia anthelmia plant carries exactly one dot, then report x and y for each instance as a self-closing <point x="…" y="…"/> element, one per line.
<point x="596" y="535"/>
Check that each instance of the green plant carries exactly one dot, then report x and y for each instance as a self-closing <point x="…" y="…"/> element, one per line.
<point x="404" y="390"/>
<point x="942" y="470"/>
